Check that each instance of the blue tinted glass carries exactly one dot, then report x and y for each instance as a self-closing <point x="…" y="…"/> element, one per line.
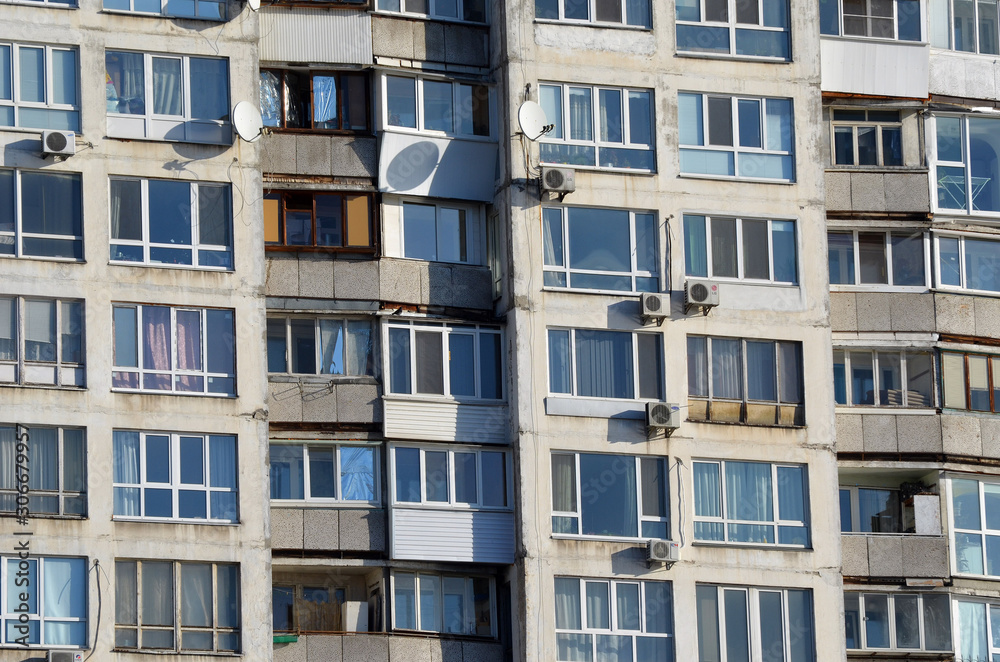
<point x="687" y="10"/>
<point x="599" y="239"/>
<point x="829" y="17"/>
<point x="639" y="117"/>
<point x="845" y="511"/>
<point x="407" y="468"/>
<point x="604" y="364"/>
<point x="158" y="503"/>
<point x="462" y="364"/>
<point x="704" y="162"/>
<point x="749" y="122"/>
<point x="691" y="120"/>
<point x="614" y="512"/>
<point x="760" y="43"/>
<point x="192" y="461"/>
<point x="908" y="20"/>
<point x="157" y="459"/>
<point x="559" y="366"/>
<point x="169" y="212"/>
<point x="399" y="361"/>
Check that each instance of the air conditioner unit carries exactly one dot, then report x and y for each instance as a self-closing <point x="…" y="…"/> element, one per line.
<point x="702" y="293"/>
<point x="655" y="307"/>
<point x="663" y="415"/>
<point x="559" y="180"/>
<point x="65" y="656"/>
<point x="663" y="551"/>
<point x="61" y="143"/>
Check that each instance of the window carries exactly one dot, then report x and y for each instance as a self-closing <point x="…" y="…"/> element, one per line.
<point x="459" y="361"/>
<point x="171" y="222"/>
<point x="613" y="250"/>
<point x="965" y="164"/>
<point x="878" y="19"/>
<point x="735" y="502"/>
<point x="440" y="106"/>
<point x="968" y="263"/>
<point x="970" y="381"/>
<point x="978" y="630"/>
<point x="898" y="621"/>
<point x="325" y="473"/>
<point x="465" y="477"/>
<point x="630" y="12"/>
<point x="746" y="138"/>
<point x="620" y="496"/>
<point x="975" y="526"/>
<point x="48" y="3"/>
<point x="41" y="341"/>
<point x="168" y="97"/>
<point x="743" y="248"/>
<point x="867" y="137"/>
<point x="606" y="619"/>
<point x="167" y="605"/>
<point x="45" y="602"/>
<point x="307" y="608"/>
<point x="309" y="346"/>
<point x="314" y="100"/>
<point x="975" y="27"/>
<point x="39" y="86"/>
<point x="57" y="470"/>
<point x="443" y="232"/>
<point x="759" y="28"/>
<point x="212" y="10"/>
<point x="593" y="363"/>
<point x="895" y="259"/>
<point x="443" y="603"/>
<point x="870" y="510"/>
<point x="306" y="221"/>
<point x="473" y="11"/>
<point x="181" y="350"/>
<point x="619" y="135"/>
<point x="755" y="623"/>
<point x="182" y="477"/>
<point x="745" y="381"/>
<point x="41" y="214"/>
<point x="883" y="378"/>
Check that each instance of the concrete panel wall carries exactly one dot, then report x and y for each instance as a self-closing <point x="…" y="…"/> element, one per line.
<point x="319" y="154"/>
<point x="375" y="647"/>
<point x="889" y="432"/>
<point x="895" y="556"/>
<point x="877" y="191"/>
<point x="435" y="284"/>
<point x="956" y="74"/>
<point x="408" y="39"/>
<point x="319" y="399"/>
<point x="920" y="312"/>
<point x="328" y="529"/>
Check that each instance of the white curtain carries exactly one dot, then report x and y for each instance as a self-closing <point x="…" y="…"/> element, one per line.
<point x="167" y="93"/>
<point x="43" y="459"/>
<point x="598" y="605"/>
<point x="604" y="364"/>
<point x="581" y="114"/>
<point x="196" y="594"/>
<point x="748" y="491"/>
<point x="727" y="369"/>
<point x="707" y="490"/>
<point x="761" y="371"/>
<point x="126" y="471"/>
<point x="567" y="603"/>
<point x="972" y="645"/>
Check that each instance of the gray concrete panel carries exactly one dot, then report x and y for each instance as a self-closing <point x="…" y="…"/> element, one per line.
<point x="321" y="529"/>
<point x="925" y="557"/>
<point x="481" y="651"/>
<point x="282" y="275"/>
<point x="990" y="431"/>
<point x="369" y="649"/>
<point x="397" y="279"/>
<point x="850" y="438"/>
<point x="912" y="312"/>
<point x="838" y="191"/>
<point x="429" y="41"/>
<point x="955" y="314"/>
<point x="392" y="37"/>
<point x="843" y="311"/>
<point x="466" y="45"/>
<point x="906" y="192"/>
<point x="278" y="153"/>
<point x="315" y="276"/>
<point x="325" y="648"/>
<point x="440" y="280"/>
<point x="353" y="157"/>
<point x="885" y="556"/>
<point x="867" y="192"/>
<point x="286" y="528"/>
<point x="356" y="279"/>
<point x="284" y="402"/>
<point x="472" y="287"/>
<point x="294" y="651"/>
<point x="918" y="434"/>
<point x="319" y="402"/>
<point x="854" y="553"/>
<point x="879" y="433"/>
<point x="988" y="317"/>
<point x="362" y="530"/>
<point x="405" y="649"/>
<point x="312" y="155"/>
<point x="873" y="311"/>
<point x="358" y="403"/>
<point x="960" y="435"/>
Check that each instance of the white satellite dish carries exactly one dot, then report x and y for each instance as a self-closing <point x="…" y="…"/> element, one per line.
<point x="531" y="117"/>
<point x="247" y="121"/>
<point x="254" y="5"/>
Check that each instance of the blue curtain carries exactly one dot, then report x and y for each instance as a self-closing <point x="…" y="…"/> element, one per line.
<point x="604" y="364"/>
<point x="748" y="491"/>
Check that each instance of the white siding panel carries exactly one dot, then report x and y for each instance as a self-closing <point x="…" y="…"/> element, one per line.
<point x="437" y="167"/>
<point x="865" y="66"/>
<point x="321" y="36"/>
<point x="448" y="535"/>
<point x="445" y="421"/>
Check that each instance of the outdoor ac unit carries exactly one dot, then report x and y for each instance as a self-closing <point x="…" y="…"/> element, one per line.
<point x="655" y="307"/>
<point x="62" y="143"/>
<point x="65" y="656"/>
<point x="663" y="551"/>
<point x="559" y="180"/>
<point x="663" y="415"/>
<point x="703" y="293"/>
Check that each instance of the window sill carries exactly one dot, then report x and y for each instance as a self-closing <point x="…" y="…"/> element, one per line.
<point x="32" y="515"/>
<point x="914" y="289"/>
<point x="584" y="538"/>
<point x="295" y="131"/>
<point x="230" y="396"/>
<point x="595" y="407"/>
<point x="438" y="135"/>
<point x="450" y="508"/>
<point x="733" y="58"/>
<point x="293" y="504"/>
<point x="160" y="265"/>
<point x="607" y="293"/>
<point x="732" y="178"/>
<point x="332" y="380"/>
<point x="747" y="282"/>
<point x="898" y="535"/>
<point x="875" y="40"/>
<point x="888" y="411"/>
<point x="748" y="425"/>
<point x="43" y="258"/>
<point x="597" y="169"/>
<point x="160" y="520"/>
<point x="900" y="654"/>
<point x="442" y="399"/>
<point x="66" y="387"/>
<point x="427" y="17"/>
<point x="46" y="5"/>
<point x="751" y="545"/>
<point x="593" y="24"/>
<point x="150" y="651"/>
<point x="124" y="12"/>
<point x="894" y="170"/>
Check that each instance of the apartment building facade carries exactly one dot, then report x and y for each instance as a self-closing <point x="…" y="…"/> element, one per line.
<point x="132" y="391"/>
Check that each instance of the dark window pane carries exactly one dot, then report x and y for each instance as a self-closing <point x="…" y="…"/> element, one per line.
<point x="908" y="259"/>
<point x="720" y="121"/>
<point x="867" y="145"/>
<point x="724" y="247"/>
<point x="614" y="513"/>
<point x="871" y="251"/>
<point x="51" y="203"/>
<point x="126" y="209"/>
<point x="430" y="367"/>
<point x="756" y="261"/>
<point x="843" y="145"/>
<point x="169" y="212"/>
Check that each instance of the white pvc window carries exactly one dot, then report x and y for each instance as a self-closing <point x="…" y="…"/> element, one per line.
<point x="442" y="232"/>
<point x="755" y="623"/>
<point x="438" y="106"/>
<point x="864" y="137"/>
<point x="740" y="248"/>
<point x="751" y="503"/>
<point x="965" y="168"/>
<point x="740" y="137"/>
<point x="41" y="341"/>
<point x="325" y="473"/>
<point x="597" y="363"/>
<point x="171" y="223"/>
<point x="466" y="477"/>
<point x="44" y="602"/>
<point x="635" y="13"/>
<point x="320" y="346"/>
<point x="39" y="86"/>
<point x="175" y="477"/>
<point x="473" y="11"/>
<point x="586" y="502"/>
<point x="41" y="214"/>
<point x="606" y="619"/>
<point x="892" y="259"/>
<point x="870" y="510"/>
<point x="162" y="349"/>
<point x="444" y="603"/>
<point x="598" y="127"/>
<point x="898" y="621"/>
<point x="975" y="526"/>
<point x="967" y="262"/>
<point x="975" y="26"/>
<point x="56" y="463"/>
<point x="883" y="378"/>
<point x="212" y="10"/>
<point x="456" y="361"/>
<point x="876" y="19"/>
<point x="755" y="28"/>
<point x="978" y="630"/>
<point x="602" y="250"/>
